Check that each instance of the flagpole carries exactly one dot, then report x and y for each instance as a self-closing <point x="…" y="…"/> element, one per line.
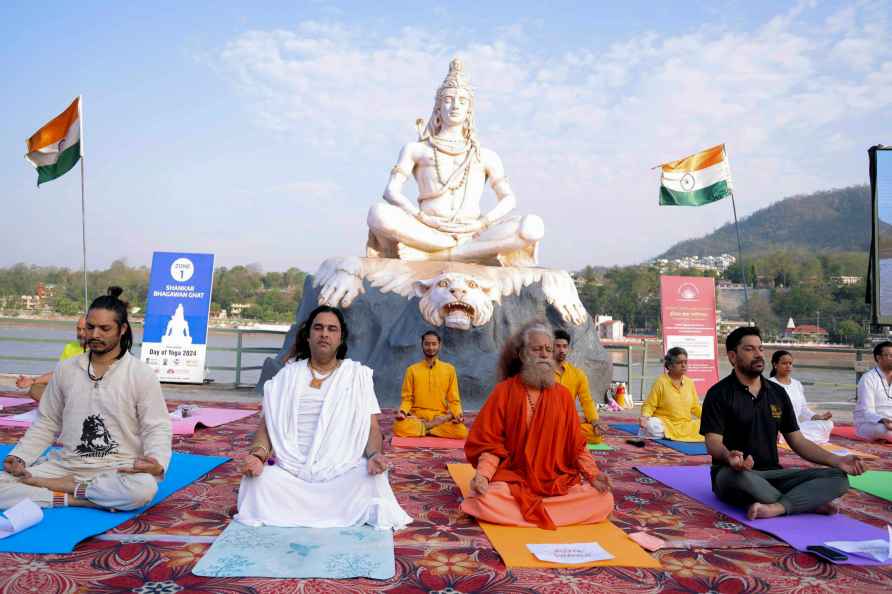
<point x="746" y="299"/>
<point x="83" y="198"/>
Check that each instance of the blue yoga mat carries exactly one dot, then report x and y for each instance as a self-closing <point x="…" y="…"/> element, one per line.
<point x="273" y="552"/>
<point x="685" y="447"/>
<point x="62" y="528"/>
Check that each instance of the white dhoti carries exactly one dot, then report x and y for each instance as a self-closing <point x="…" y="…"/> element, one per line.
<point x="816" y="431"/>
<point x="653" y="429"/>
<point x="320" y="479"/>
<point x="872" y="431"/>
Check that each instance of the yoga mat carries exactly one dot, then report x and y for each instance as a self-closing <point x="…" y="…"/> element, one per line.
<point x="273" y="552"/>
<point x="209" y="417"/>
<point x="511" y="541"/>
<point x="688" y="448"/>
<point x="63" y="528"/>
<point x="599" y="447"/>
<point x="24" y="419"/>
<point x="799" y="531"/>
<point x="427" y="442"/>
<point x="9" y="401"/>
<point x="875" y="482"/>
<point x="849" y="433"/>
<point x="833" y="449"/>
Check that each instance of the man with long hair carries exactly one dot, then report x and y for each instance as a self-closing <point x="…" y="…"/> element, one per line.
<point x="106" y="407"/>
<point x="320" y="425"/>
<point x="533" y="468"/>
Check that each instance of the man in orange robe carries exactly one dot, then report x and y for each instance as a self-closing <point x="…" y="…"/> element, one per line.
<point x="533" y="468"/>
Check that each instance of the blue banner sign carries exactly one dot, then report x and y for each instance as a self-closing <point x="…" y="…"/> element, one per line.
<point x="174" y="340"/>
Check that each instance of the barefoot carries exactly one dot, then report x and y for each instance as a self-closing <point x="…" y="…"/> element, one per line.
<point x="765" y="510"/>
<point x="831" y="508"/>
<point x="65" y="484"/>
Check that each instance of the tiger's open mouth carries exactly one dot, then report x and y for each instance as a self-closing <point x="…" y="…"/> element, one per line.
<point x="458" y="314"/>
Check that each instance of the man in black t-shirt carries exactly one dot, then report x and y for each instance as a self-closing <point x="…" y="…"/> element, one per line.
<point x="742" y="415"/>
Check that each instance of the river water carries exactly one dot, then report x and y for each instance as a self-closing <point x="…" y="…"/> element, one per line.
<point x="819" y="383"/>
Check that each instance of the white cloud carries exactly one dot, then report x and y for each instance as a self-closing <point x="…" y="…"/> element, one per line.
<point x="579" y="132"/>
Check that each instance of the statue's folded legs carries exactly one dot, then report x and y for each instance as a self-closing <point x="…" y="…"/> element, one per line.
<point x="512" y="240"/>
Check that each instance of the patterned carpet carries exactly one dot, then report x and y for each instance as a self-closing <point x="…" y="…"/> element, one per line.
<point x="444" y="551"/>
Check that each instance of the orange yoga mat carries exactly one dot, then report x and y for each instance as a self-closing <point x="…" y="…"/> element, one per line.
<point x="834" y="448"/>
<point x="511" y="541"/>
<point x="427" y="442"/>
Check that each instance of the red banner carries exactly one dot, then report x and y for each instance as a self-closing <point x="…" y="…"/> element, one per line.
<point x="687" y="306"/>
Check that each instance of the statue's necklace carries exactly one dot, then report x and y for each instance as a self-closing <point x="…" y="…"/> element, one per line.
<point x="316" y="382"/>
<point x="464" y="177"/>
<point x="452" y="148"/>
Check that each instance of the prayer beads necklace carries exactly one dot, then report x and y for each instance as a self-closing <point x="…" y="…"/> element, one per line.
<point x="445" y="184"/>
<point x="316" y="382"/>
<point x="531" y="403"/>
<point x="95" y="379"/>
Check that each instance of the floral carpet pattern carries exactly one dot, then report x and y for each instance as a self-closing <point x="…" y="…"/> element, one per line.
<point x="444" y="551"/>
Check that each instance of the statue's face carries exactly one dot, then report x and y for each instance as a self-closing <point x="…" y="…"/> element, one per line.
<point x="454" y="106"/>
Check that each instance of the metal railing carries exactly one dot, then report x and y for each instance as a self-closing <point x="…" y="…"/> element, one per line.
<point x="630" y="361"/>
<point x="239" y="350"/>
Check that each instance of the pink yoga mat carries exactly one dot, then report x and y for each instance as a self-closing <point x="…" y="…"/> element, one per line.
<point x="9" y="401"/>
<point x="209" y="417"/>
<point x="427" y="442"/>
<point x="849" y="433"/>
<point x="798" y="531"/>
<point x="206" y="417"/>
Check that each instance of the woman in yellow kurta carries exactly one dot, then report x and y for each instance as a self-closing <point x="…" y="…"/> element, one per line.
<point x="672" y="409"/>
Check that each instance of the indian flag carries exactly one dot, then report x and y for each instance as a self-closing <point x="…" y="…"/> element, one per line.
<point x="696" y="180"/>
<point x="56" y="148"/>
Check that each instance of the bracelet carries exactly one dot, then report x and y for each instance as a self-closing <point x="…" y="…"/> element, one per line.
<point x="12" y="458"/>
<point x="263" y="458"/>
<point x="373" y="455"/>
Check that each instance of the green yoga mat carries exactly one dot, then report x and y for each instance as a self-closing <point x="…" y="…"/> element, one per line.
<point x="875" y="482"/>
<point x="599" y="447"/>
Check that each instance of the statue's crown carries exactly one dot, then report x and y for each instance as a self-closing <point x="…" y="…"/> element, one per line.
<point x="456" y="79"/>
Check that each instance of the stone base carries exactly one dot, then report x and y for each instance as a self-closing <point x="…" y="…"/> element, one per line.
<point x="386" y="328"/>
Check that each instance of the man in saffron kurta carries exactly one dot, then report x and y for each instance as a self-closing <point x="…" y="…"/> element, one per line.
<point x="430" y="400"/>
<point x="672" y="409"/>
<point x="533" y="468"/>
<point x="575" y="380"/>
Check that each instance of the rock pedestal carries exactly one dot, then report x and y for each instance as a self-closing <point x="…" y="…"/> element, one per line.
<point x="385" y="334"/>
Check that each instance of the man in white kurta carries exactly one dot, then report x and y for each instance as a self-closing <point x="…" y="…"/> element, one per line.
<point x="873" y="411"/>
<point x="318" y="430"/>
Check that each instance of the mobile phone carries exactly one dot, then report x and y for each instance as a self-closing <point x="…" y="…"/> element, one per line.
<point x="827" y="552"/>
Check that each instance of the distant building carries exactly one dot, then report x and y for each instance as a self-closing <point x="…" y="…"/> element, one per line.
<point x="804" y="332"/>
<point x="608" y="328"/>
<point x="841" y="281"/>
<point x="706" y="263"/>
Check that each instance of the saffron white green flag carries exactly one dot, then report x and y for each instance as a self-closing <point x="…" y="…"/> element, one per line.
<point x="56" y="148"/>
<point x="696" y="180"/>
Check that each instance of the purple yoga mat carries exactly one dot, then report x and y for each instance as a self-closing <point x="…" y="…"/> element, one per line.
<point x="798" y="531"/>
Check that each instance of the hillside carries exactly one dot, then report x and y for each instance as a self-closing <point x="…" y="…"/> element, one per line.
<point x="833" y="220"/>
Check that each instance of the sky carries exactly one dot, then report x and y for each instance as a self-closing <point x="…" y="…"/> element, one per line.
<point x="263" y="132"/>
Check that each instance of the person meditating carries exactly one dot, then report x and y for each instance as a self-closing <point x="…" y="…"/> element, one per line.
<point x="574" y="379"/>
<point x="672" y="409"/>
<point x="37" y="385"/>
<point x="814" y="426"/>
<point x="430" y="401"/>
<point x="742" y="415"/>
<point x="873" y="411"/>
<point x="320" y="423"/>
<point x="106" y="408"/>
<point x="532" y="465"/>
